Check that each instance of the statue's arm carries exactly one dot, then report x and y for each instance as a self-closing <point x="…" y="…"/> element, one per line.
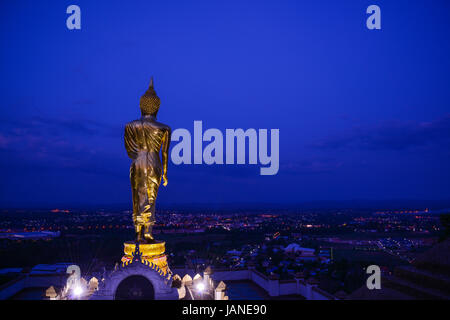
<point x="165" y="153"/>
<point x="130" y="142"/>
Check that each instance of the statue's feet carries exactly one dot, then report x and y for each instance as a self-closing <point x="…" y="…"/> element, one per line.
<point x="149" y="238"/>
<point x="139" y="238"/>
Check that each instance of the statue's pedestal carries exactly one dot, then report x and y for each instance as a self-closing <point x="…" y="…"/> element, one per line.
<point x="143" y="274"/>
<point x="151" y="252"/>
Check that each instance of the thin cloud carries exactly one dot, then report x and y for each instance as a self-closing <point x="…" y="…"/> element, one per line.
<point x="310" y="166"/>
<point x="59" y="143"/>
<point x="394" y="135"/>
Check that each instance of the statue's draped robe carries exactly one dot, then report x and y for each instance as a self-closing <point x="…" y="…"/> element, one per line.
<point x="143" y="141"/>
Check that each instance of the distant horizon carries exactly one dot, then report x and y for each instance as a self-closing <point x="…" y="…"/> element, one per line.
<point x="318" y="204"/>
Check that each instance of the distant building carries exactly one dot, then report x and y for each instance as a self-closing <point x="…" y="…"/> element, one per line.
<point x="295" y="248"/>
<point x="32" y="235"/>
<point x="33" y="285"/>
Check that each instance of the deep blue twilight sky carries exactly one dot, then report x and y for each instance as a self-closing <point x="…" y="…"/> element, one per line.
<point x="362" y="114"/>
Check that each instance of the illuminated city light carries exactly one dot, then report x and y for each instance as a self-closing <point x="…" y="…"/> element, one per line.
<point x="77" y="291"/>
<point x="200" y="287"/>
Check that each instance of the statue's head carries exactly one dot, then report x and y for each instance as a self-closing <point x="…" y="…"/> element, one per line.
<point x="150" y="102"/>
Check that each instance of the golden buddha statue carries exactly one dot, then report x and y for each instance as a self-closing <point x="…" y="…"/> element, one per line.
<point x="144" y="138"/>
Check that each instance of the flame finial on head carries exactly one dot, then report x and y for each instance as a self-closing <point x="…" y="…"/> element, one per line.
<point x="150" y="102"/>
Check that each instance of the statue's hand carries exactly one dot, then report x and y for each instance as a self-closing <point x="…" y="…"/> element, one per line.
<point x="165" y="180"/>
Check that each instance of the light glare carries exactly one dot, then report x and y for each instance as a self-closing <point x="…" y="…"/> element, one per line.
<point x="77" y="291"/>
<point x="200" y="287"/>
